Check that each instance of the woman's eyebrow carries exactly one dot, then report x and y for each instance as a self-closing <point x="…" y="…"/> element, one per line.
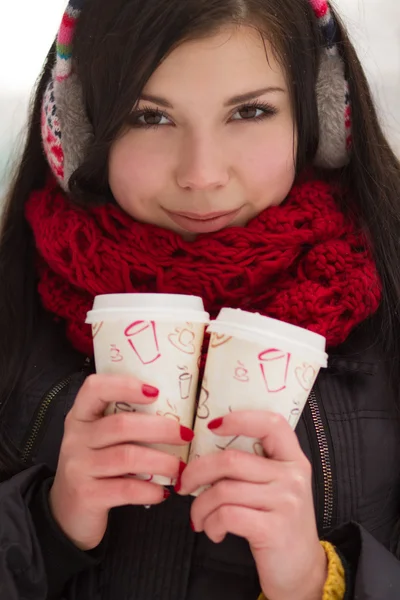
<point x="251" y="95"/>
<point x="239" y="99"/>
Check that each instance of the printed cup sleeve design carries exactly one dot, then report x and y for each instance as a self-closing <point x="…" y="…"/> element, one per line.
<point x="184" y="340"/>
<point x="115" y="354"/>
<point x="171" y="414"/>
<point x="203" y="410"/>
<point x="185" y="383"/>
<point x="232" y="441"/>
<point x="274" y="365"/>
<point x="241" y="373"/>
<point x="142" y="338"/>
<point x="296" y="411"/>
<point x="219" y="339"/>
<point x="305" y="375"/>
<point x="96" y="328"/>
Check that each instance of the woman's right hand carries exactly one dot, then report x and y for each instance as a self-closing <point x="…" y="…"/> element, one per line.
<point x="97" y="452"/>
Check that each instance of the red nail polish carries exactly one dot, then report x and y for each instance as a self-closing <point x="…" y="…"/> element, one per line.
<point x="149" y="391"/>
<point x="186" y="434"/>
<point x="215" y="423"/>
<point x="192" y="526"/>
<point x="167" y="494"/>
<point x="182" y="467"/>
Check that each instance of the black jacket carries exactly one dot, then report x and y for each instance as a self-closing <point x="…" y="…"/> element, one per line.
<point x="350" y="431"/>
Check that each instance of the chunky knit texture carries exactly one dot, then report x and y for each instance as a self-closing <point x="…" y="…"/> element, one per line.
<point x="302" y="262"/>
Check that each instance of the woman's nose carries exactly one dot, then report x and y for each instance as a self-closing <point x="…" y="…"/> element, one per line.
<point x="202" y="165"/>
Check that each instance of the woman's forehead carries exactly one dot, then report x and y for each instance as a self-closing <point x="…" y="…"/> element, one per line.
<point x="232" y="61"/>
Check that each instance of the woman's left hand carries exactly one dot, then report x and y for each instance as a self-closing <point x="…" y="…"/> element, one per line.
<point x="267" y="500"/>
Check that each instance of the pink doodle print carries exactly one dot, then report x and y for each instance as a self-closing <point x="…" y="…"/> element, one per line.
<point x="185" y="383"/>
<point x="171" y="414"/>
<point x="142" y="338"/>
<point x="295" y="412"/>
<point x="305" y="375"/>
<point x="183" y="339"/>
<point x="241" y="373"/>
<point x="219" y="339"/>
<point x="96" y="328"/>
<point x="115" y="353"/>
<point x="203" y="411"/>
<point x="228" y="444"/>
<point x="294" y="417"/>
<point x="274" y="365"/>
<point x="220" y="447"/>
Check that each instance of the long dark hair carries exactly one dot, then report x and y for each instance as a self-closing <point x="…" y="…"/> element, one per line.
<point x="118" y="46"/>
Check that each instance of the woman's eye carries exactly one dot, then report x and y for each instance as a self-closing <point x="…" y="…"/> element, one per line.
<point x="253" y="113"/>
<point x="147" y="118"/>
<point x="151" y="118"/>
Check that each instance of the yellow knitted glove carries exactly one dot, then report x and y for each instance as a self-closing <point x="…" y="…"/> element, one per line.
<point x="335" y="586"/>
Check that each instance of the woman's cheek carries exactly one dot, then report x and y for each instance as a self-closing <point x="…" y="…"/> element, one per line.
<point x="271" y="173"/>
<point x="135" y="176"/>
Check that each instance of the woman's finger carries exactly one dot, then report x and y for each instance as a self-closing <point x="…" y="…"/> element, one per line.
<point x="98" y="391"/>
<point x="259" y="528"/>
<point x="125" y="459"/>
<point x="231" y="464"/>
<point x="277" y="437"/>
<point x="126" y="427"/>
<point x="109" y="493"/>
<point x="258" y="496"/>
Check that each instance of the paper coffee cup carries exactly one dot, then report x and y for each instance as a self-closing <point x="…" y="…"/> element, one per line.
<point x="254" y="363"/>
<point x="158" y="339"/>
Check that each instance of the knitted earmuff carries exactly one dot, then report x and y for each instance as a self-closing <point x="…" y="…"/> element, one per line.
<point x="67" y="132"/>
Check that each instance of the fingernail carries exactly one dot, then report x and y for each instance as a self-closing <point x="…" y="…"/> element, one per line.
<point x="192" y="526"/>
<point x="167" y="494"/>
<point x="182" y="467"/>
<point x="215" y="423"/>
<point x="187" y="434"/>
<point x="149" y="391"/>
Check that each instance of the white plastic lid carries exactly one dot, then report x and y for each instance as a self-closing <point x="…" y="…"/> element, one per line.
<point x="174" y="307"/>
<point x="254" y="327"/>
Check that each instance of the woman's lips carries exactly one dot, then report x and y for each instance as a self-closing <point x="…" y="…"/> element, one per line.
<point x="203" y="223"/>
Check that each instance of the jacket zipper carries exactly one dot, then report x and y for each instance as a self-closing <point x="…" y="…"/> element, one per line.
<point x="44" y="406"/>
<point x="326" y="464"/>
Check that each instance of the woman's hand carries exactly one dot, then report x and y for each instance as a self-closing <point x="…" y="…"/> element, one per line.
<point x="97" y="453"/>
<point x="268" y="501"/>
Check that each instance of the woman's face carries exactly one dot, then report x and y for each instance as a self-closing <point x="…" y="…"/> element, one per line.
<point x="212" y="141"/>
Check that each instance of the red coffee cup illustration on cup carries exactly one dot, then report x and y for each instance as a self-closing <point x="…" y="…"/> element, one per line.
<point x="274" y="365"/>
<point x="185" y="385"/>
<point x="142" y="337"/>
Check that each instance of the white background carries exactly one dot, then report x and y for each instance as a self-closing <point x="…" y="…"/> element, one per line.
<point x="27" y="30"/>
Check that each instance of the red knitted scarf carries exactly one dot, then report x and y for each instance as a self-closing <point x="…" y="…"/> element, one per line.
<point x="303" y="262"/>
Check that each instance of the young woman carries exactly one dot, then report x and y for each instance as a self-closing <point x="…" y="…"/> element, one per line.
<point x="228" y="149"/>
